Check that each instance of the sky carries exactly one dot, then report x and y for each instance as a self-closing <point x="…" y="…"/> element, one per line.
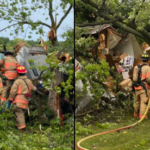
<point x="66" y="24"/>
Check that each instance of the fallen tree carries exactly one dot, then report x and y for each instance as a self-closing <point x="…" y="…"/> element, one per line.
<point x="129" y="16"/>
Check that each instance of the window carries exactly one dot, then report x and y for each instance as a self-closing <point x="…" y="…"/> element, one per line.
<point x="34" y="69"/>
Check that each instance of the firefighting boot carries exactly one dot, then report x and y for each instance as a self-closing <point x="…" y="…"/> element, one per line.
<point x="135" y="115"/>
<point x="144" y="117"/>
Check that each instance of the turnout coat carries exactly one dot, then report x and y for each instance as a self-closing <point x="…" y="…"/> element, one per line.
<point x="9" y="65"/>
<point x="18" y="91"/>
<point x="144" y="76"/>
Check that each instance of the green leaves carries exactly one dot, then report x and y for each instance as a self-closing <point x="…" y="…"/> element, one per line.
<point x="105" y="125"/>
<point x="23" y="14"/>
<point x="41" y="31"/>
<point x="23" y="11"/>
<point x="132" y="16"/>
<point x="52" y="137"/>
<point x="40" y="6"/>
<point x="82" y="130"/>
<point x="15" y="9"/>
<point x="68" y="37"/>
<point x="58" y="90"/>
<point x="93" y="74"/>
<point x="83" y="43"/>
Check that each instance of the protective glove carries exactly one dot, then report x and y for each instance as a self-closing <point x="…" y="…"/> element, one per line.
<point x="9" y="104"/>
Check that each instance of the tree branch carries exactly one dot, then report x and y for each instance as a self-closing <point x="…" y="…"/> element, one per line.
<point x="128" y="29"/>
<point x="97" y="23"/>
<point x="90" y="3"/>
<point x="122" y="25"/>
<point x="146" y="34"/>
<point x="147" y="28"/>
<point x="51" y="13"/>
<point x="26" y="31"/>
<point x="42" y="23"/>
<point x="65" y="15"/>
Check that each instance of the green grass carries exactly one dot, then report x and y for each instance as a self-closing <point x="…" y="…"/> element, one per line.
<point x="50" y="137"/>
<point x="137" y="138"/>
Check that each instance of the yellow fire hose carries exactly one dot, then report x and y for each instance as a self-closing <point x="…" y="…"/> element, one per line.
<point x="78" y="145"/>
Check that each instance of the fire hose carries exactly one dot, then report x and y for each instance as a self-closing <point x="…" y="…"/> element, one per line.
<point x="78" y="145"/>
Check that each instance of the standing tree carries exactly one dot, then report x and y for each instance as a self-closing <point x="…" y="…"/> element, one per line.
<point x="19" y="13"/>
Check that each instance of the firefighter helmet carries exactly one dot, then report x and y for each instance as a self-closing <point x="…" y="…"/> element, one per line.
<point x="145" y="57"/>
<point x="8" y="53"/>
<point x="21" y="69"/>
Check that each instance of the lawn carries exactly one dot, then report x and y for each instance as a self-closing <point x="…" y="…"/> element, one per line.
<point x="36" y="137"/>
<point x="136" y="138"/>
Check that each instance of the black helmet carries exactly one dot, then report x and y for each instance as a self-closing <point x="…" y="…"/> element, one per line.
<point x="8" y="53"/>
<point x="145" y="57"/>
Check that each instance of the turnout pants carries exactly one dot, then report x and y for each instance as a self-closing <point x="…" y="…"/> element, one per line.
<point x="5" y="92"/>
<point x="20" y="116"/>
<point x="140" y="103"/>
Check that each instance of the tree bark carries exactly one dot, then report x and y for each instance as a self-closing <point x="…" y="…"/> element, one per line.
<point x="51" y="13"/>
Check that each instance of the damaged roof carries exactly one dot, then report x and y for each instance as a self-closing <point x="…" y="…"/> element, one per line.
<point x="98" y="28"/>
<point x="36" y="50"/>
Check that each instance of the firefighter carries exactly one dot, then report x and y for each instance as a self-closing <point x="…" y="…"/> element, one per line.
<point x="1" y="90"/>
<point x="1" y="87"/>
<point x="19" y="96"/>
<point x="141" y="78"/>
<point x="8" y="65"/>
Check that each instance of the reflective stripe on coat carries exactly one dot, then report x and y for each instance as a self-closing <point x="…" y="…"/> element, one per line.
<point x="1" y="87"/>
<point x="145" y="76"/>
<point x="140" y="87"/>
<point x="18" y="91"/>
<point x="10" y="64"/>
